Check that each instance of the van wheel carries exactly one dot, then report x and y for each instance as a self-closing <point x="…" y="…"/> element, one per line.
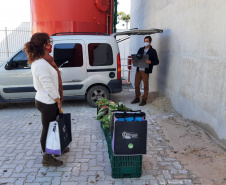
<point x="1" y="106"/>
<point x="95" y="93"/>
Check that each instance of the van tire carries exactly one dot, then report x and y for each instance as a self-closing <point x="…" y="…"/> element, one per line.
<point x="2" y="106"/>
<point x="95" y="93"/>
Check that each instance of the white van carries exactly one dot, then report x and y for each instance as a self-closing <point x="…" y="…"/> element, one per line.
<point x="90" y="67"/>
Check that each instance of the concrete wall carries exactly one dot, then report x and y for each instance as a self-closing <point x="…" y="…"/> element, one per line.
<point x="192" y="53"/>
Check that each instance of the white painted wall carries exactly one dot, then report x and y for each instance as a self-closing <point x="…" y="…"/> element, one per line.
<point x="124" y="49"/>
<point x="192" y="54"/>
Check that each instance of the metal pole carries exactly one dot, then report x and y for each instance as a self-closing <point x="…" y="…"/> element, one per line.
<point x="6" y="41"/>
<point x="129" y="76"/>
<point x="115" y="16"/>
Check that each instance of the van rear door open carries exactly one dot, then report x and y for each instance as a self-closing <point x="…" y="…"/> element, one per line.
<point x="135" y="32"/>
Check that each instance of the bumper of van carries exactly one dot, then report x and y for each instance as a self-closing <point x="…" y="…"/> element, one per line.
<point x="115" y="86"/>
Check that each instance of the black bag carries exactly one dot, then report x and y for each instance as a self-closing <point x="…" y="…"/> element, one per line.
<point x="120" y="114"/>
<point x="64" y="121"/>
<point x="129" y="137"/>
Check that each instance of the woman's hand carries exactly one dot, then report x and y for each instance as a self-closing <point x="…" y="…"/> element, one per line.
<point x="59" y="106"/>
<point x="59" y="103"/>
<point x="148" y="61"/>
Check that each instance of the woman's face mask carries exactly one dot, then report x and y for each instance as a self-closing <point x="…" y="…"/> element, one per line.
<point x="49" y="48"/>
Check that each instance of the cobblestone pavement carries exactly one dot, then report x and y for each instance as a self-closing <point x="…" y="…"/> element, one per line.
<point x="88" y="161"/>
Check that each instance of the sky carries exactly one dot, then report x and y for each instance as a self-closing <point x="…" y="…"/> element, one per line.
<point x="123" y="6"/>
<point x="14" y="12"/>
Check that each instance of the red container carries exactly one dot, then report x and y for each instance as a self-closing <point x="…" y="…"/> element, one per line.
<point x="53" y="16"/>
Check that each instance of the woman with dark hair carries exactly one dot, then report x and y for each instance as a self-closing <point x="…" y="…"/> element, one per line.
<point x="48" y="84"/>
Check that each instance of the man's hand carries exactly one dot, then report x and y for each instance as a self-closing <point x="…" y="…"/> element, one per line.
<point x="148" y="61"/>
<point x="132" y="61"/>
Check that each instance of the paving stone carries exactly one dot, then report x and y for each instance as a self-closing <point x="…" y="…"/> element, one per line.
<point x="139" y="182"/>
<point x="169" y="159"/>
<point x="7" y="180"/>
<point x="54" y="174"/>
<point x="180" y="176"/>
<point x="177" y="165"/>
<point x="175" y="182"/>
<point x="161" y="179"/>
<point x="104" y="182"/>
<point x="118" y="183"/>
<point x="93" y="162"/>
<point x="84" y="167"/>
<point x="18" y="175"/>
<point x="56" y="181"/>
<point x="153" y="182"/>
<point x="172" y="169"/>
<point x="7" y="172"/>
<point x="96" y="168"/>
<point x="19" y="181"/>
<point x="88" y="173"/>
<point x="188" y="182"/>
<point x="167" y="174"/>
<point x="69" y="183"/>
<point x="29" y="170"/>
<point x="183" y="171"/>
<point x="43" y="179"/>
<point x="147" y="177"/>
<point x="79" y="178"/>
<point x="31" y="177"/>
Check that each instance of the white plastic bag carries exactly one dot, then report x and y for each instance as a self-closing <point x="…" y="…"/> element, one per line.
<point x="53" y="139"/>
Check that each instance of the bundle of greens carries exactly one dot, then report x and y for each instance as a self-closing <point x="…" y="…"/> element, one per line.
<point x="105" y="107"/>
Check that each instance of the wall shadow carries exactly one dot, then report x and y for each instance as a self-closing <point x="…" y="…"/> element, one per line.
<point x="164" y="61"/>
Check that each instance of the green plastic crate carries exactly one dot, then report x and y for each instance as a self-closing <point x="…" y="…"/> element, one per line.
<point x="124" y="166"/>
<point x="107" y="137"/>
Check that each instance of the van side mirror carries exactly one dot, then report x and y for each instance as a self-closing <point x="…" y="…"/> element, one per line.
<point x="8" y="65"/>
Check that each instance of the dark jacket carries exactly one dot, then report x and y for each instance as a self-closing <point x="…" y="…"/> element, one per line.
<point x="153" y="57"/>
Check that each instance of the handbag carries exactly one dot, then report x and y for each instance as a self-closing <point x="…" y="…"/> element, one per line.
<point x="129" y="133"/>
<point x="53" y="139"/>
<point x="64" y="122"/>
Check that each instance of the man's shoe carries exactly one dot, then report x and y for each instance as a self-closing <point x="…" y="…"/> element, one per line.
<point x="65" y="151"/>
<point x="49" y="160"/>
<point x="143" y="102"/>
<point x="136" y="100"/>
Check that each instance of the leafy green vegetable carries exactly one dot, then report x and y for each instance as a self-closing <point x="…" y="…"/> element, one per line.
<point x="105" y="108"/>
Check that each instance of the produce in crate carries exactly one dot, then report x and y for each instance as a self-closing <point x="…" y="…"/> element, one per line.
<point x="105" y="107"/>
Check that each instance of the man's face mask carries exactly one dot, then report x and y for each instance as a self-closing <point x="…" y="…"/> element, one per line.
<point x="146" y="44"/>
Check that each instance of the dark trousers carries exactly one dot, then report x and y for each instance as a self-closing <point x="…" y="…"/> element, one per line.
<point x="49" y="113"/>
<point x="141" y="75"/>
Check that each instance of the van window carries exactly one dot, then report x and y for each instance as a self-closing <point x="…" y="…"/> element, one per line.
<point x="20" y="61"/>
<point x="100" y="54"/>
<point x="68" y="55"/>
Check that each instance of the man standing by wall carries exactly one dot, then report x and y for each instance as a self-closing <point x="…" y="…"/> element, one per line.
<point x="143" y="73"/>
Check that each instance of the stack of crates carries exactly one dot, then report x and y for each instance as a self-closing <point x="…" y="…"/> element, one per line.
<point x="123" y="166"/>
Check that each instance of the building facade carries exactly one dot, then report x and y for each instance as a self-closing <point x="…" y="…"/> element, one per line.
<point x="191" y="50"/>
